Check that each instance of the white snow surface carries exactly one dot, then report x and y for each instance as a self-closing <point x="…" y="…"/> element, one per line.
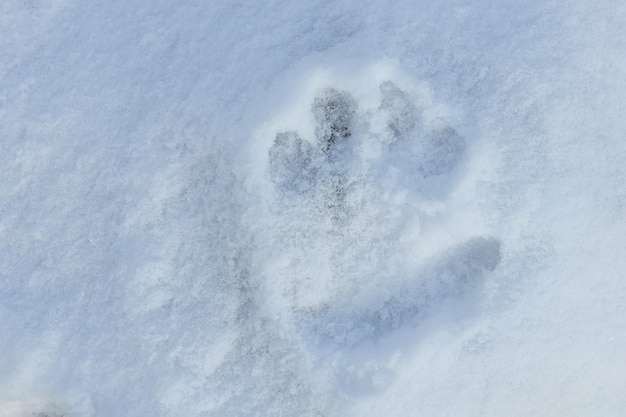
<point x="322" y="208"/>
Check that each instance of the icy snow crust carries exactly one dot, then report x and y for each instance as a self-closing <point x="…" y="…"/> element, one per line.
<point x="312" y="208"/>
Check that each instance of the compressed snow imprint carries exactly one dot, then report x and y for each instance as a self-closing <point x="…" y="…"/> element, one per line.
<point x="344" y="193"/>
<point x="451" y="274"/>
<point x="298" y="164"/>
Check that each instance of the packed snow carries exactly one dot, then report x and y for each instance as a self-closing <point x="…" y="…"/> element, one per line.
<point x="269" y="208"/>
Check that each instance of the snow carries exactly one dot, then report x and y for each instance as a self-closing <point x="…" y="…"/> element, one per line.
<point x="318" y="208"/>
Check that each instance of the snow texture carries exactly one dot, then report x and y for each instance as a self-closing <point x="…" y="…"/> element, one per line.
<point x="271" y="208"/>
